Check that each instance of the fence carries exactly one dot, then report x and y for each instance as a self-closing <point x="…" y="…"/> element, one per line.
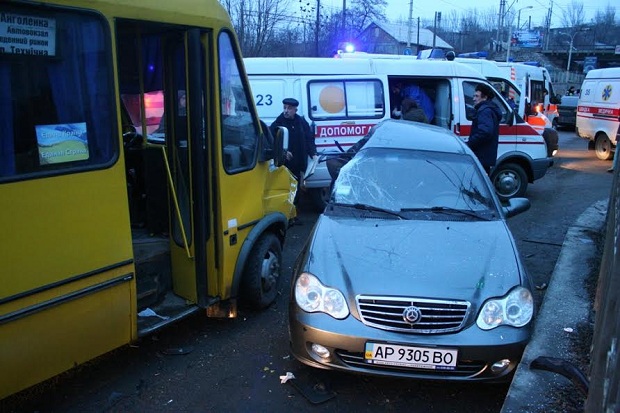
<point x="560" y="83"/>
<point x="604" y="392"/>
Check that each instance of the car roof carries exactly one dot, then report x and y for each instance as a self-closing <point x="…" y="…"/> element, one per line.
<point x="324" y="66"/>
<point x="404" y="134"/>
<point x="567" y="100"/>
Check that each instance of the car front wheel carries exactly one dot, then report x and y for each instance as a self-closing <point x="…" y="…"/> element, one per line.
<point x="509" y="180"/>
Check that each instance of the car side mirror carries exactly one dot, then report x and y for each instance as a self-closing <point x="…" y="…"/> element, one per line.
<point x="516" y="206"/>
<point x="280" y="146"/>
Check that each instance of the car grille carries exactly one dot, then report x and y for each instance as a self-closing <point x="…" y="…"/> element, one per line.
<point x="435" y="316"/>
<point x="464" y="368"/>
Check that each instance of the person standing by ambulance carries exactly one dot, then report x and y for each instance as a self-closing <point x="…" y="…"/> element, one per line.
<point x="484" y="136"/>
<point x="300" y="137"/>
<point x="301" y="143"/>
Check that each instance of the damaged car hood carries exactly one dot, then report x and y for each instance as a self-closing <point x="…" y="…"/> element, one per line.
<point x="468" y="260"/>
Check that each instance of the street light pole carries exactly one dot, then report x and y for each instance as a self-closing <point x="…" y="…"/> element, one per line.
<point x="570" y="49"/>
<point x="519" y="16"/>
<point x="570" y="55"/>
<point x="510" y="31"/>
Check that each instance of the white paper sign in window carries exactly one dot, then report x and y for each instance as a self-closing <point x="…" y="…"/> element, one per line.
<point x="27" y="35"/>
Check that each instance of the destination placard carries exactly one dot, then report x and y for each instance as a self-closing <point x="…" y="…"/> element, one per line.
<point x="27" y="35"/>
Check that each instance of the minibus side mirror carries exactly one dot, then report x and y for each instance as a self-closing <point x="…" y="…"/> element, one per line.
<point x="267" y="141"/>
<point x="280" y="146"/>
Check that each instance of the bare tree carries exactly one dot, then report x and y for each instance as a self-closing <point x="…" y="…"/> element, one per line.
<point x="256" y="21"/>
<point x="487" y="19"/>
<point x="604" y="26"/>
<point x="364" y="12"/>
<point x="572" y="16"/>
<point x="479" y="28"/>
<point x="450" y="21"/>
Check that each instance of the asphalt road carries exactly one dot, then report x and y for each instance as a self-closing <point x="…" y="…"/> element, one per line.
<point x="234" y="365"/>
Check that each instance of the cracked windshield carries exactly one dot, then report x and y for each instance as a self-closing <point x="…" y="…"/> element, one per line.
<point x="400" y="180"/>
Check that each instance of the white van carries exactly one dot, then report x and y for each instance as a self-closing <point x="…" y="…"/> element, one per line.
<point x="598" y="110"/>
<point x="533" y="82"/>
<point x="504" y="78"/>
<point x="343" y="98"/>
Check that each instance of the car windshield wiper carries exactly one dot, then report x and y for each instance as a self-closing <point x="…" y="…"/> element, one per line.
<point x="475" y="195"/>
<point x="448" y="210"/>
<point x="371" y="208"/>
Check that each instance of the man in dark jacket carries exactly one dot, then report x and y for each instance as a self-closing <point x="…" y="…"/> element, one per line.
<point x="484" y="136"/>
<point x="300" y="138"/>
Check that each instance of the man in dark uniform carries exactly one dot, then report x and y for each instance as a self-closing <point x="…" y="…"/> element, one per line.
<point x="300" y="139"/>
<point x="484" y="136"/>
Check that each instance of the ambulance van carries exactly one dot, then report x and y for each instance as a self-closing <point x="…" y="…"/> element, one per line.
<point x="536" y="87"/>
<point x="343" y="98"/>
<point x="598" y="111"/>
<point x="505" y="81"/>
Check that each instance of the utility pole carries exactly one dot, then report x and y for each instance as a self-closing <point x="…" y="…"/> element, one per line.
<point x="436" y="24"/>
<point x="344" y="8"/>
<point x="410" y="22"/>
<point x="548" y="31"/>
<point x="417" y="49"/>
<point x="500" y="18"/>
<point x="316" y="29"/>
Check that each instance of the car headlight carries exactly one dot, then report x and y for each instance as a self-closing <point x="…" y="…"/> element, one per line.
<point x="515" y="309"/>
<point x="312" y="296"/>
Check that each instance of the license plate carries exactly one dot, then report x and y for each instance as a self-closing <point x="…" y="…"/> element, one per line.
<point x="413" y="357"/>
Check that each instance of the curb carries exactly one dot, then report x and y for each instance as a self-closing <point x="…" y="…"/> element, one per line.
<point x="565" y="304"/>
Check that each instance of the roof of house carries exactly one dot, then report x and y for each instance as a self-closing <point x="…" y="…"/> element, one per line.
<point x="400" y="32"/>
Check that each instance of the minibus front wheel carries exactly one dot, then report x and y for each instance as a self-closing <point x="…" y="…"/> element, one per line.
<point x="259" y="286"/>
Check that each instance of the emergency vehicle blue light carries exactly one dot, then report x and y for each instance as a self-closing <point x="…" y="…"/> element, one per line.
<point x="349" y="48"/>
<point x="479" y="55"/>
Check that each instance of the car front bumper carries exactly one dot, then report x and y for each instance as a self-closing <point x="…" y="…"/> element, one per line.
<point x="346" y="339"/>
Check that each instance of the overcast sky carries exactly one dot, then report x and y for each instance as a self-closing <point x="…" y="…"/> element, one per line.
<point x="426" y="9"/>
